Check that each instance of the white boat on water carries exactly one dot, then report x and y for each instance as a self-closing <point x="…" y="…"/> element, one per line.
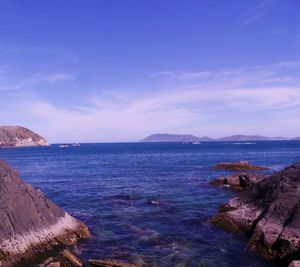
<point x="77" y="144"/>
<point x="192" y="142"/>
<point x="63" y="145"/>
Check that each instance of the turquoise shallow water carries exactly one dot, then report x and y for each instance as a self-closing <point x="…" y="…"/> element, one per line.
<point x="149" y="203"/>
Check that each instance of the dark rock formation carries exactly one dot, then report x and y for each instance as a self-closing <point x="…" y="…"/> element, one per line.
<point x="110" y="263"/>
<point x="15" y="136"/>
<point x="269" y="212"/>
<point x="30" y="223"/>
<point x="233" y="181"/>
<point x="238" y="166"/>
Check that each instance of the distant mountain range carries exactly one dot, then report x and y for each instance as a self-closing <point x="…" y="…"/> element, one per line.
<point x="193" y="138"/>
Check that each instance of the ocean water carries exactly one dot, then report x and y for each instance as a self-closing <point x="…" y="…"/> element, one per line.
<point x="149" y="203"/>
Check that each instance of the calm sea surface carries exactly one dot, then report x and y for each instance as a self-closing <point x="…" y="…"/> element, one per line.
<point x="149" y="203"/>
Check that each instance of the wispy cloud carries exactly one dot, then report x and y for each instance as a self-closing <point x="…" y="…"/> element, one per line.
<point x="256" y="13"/>
<point x="241" y="93"/>
<point x="35" y="79"/>
<point x="278" y="72"/>
<point x="252" y="19"/>
<point x="52" y="77"/>
<point x="164" y="112"/>
<point x="184" y="76"/>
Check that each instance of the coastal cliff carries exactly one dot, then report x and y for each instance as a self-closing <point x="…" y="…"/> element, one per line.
<point x="30" y="223"/>
<point x="16" y="136"/>
<point x="269" y="212"/>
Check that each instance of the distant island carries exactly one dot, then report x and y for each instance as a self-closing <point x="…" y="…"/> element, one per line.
<point x="17" y="136"/>
<point x="172" y="138"/>
<point x="192" y="138"/>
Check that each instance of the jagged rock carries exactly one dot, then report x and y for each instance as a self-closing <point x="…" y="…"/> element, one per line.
<point x="233" y="180"/>
<point x="50" y="262"/>
<point x="269" y="212"/>
<point x="238" y="166"/>
<point x="16" y="136"/>
<point x="111" y="263"/>
<point x="67" y="259"/>
<point x="30" y="223"/>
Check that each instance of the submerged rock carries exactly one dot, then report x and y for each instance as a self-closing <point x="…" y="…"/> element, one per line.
<point x="238" y="166"/>
<point x="30" y="223"/>
<point x="111" y="263"/>
<point x="270" y="213"/>
<point x="16" y="136"/>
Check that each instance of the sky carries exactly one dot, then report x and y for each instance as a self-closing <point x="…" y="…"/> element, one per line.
<point x="119" y="70"/>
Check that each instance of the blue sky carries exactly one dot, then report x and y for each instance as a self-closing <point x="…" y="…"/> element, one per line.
<point x="118" y="70"/>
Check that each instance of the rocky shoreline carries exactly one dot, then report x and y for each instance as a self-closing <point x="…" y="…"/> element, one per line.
<point x="268" y="211"/>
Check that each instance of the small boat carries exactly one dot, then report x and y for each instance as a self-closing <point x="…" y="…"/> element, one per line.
<point x="77" y="144"/>
<point x="196" y="142"/>
<point x="192" y="142"/>
<point x="63" y="145"/>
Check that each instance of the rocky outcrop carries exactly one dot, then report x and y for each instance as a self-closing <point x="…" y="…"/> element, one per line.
<point x="233" y="181"/>
<point x="30" y="223"/>
<point x="238" y="166"/>
<point x="16" y="136"/>
<point x="270" y="213"/>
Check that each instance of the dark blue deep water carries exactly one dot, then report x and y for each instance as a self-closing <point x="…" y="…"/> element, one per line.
<point x="149" y="203"/>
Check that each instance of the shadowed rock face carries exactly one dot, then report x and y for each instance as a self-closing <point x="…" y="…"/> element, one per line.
<point x="15" y="136"/>
<point x="233" y="180"/>
<point x="270" y="213"/>
<point x="30" y="223"/>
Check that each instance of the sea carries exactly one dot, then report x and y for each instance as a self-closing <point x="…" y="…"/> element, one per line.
<point x="149" y="203"/>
